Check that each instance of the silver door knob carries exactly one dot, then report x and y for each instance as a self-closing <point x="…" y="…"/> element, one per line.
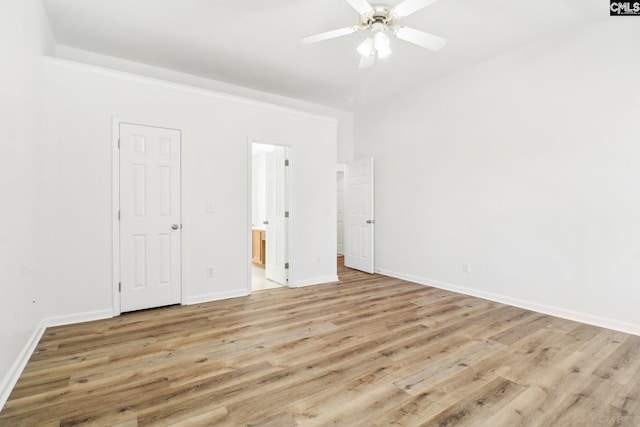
<point x="370" y="221"/>
<point x="175" y="226"/>
<point x="265" y="222"/>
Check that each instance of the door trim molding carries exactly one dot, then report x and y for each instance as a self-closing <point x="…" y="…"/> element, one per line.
<point x="115" y="206"/>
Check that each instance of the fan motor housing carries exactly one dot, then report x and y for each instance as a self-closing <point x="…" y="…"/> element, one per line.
<point x="381" y="15"/>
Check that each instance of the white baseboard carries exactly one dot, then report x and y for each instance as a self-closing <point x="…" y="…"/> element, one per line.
<point x="10" y="380"/>
<point x="590" y="319"/>
<point x="217" y="296"/>
<point x="316" y="281"/>
<point x="78" y="318"/>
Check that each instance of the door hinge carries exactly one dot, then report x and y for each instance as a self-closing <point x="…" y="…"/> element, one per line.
<point x="119" y="286"/>
<point x="118" y="143"/>
<point x="286" y="162"/>
<point x="118" y="215"/>
<point x="286" y="214"/>
<point x="286" y="265"/>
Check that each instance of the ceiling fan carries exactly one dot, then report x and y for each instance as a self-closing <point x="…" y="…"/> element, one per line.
<point x="381" y="20"/>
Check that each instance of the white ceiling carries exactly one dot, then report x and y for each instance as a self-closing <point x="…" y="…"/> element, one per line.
<point x="256" y="43"/>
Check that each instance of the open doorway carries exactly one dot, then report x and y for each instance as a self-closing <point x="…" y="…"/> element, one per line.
<point x="359" y="223"/>
<point x="270" y="215"/>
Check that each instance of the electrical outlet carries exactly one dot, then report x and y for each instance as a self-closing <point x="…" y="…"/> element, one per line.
<point x="209" y="271"/>
<point x="466" y="267"/>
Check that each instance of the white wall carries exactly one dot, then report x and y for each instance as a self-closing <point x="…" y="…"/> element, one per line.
<point x="345" y="118"/>
<point x="24" y="36"/>
<point x="79" y="103"/>
<point x="527" y="167"/>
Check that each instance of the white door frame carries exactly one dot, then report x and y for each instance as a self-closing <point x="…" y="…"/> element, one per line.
<point x="115" y="206"/>
<point x="290" y="155"/>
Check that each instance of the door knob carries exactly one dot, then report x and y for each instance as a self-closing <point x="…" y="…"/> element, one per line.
<point x="175" y="226"/>
<point x="265" y="222"/>
<point x="370" y="221"/>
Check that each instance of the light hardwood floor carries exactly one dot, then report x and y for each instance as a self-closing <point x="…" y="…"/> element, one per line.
<point x="369" y="351"/>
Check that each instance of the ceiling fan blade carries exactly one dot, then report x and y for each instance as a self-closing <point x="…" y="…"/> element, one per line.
<point x="330" y="35"/>
<point x="420" y="38"/>
<point x="367" y="61"/>
<point x="407" y="7"/>
<point x="362" y="6"/>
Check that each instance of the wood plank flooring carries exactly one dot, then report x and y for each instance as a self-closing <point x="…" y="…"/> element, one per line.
<point x="368" y="351"/>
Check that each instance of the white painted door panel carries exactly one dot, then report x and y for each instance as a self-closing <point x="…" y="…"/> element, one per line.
<point x="276" y="227"/>
<point x="340" y="213"/>
<point x="150" y="217"/>
<point x="359" y="220"/>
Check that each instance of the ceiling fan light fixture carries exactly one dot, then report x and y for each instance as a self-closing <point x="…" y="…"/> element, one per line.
<point x="383" y="51"/>
<point x="381" y="21"/>
<point x="380" y="39"/>
<point x="366" y="47"/>
<point x="381" y="44"/>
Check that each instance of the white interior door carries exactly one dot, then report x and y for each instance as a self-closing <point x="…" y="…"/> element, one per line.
<point x="276" y="226"/>
<point x="150" y="217"/>
<point x="359" y="222"/>
<point x="340" y="212"/>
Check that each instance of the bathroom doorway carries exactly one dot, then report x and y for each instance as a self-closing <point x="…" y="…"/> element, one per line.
<point x="270" y="215"/>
